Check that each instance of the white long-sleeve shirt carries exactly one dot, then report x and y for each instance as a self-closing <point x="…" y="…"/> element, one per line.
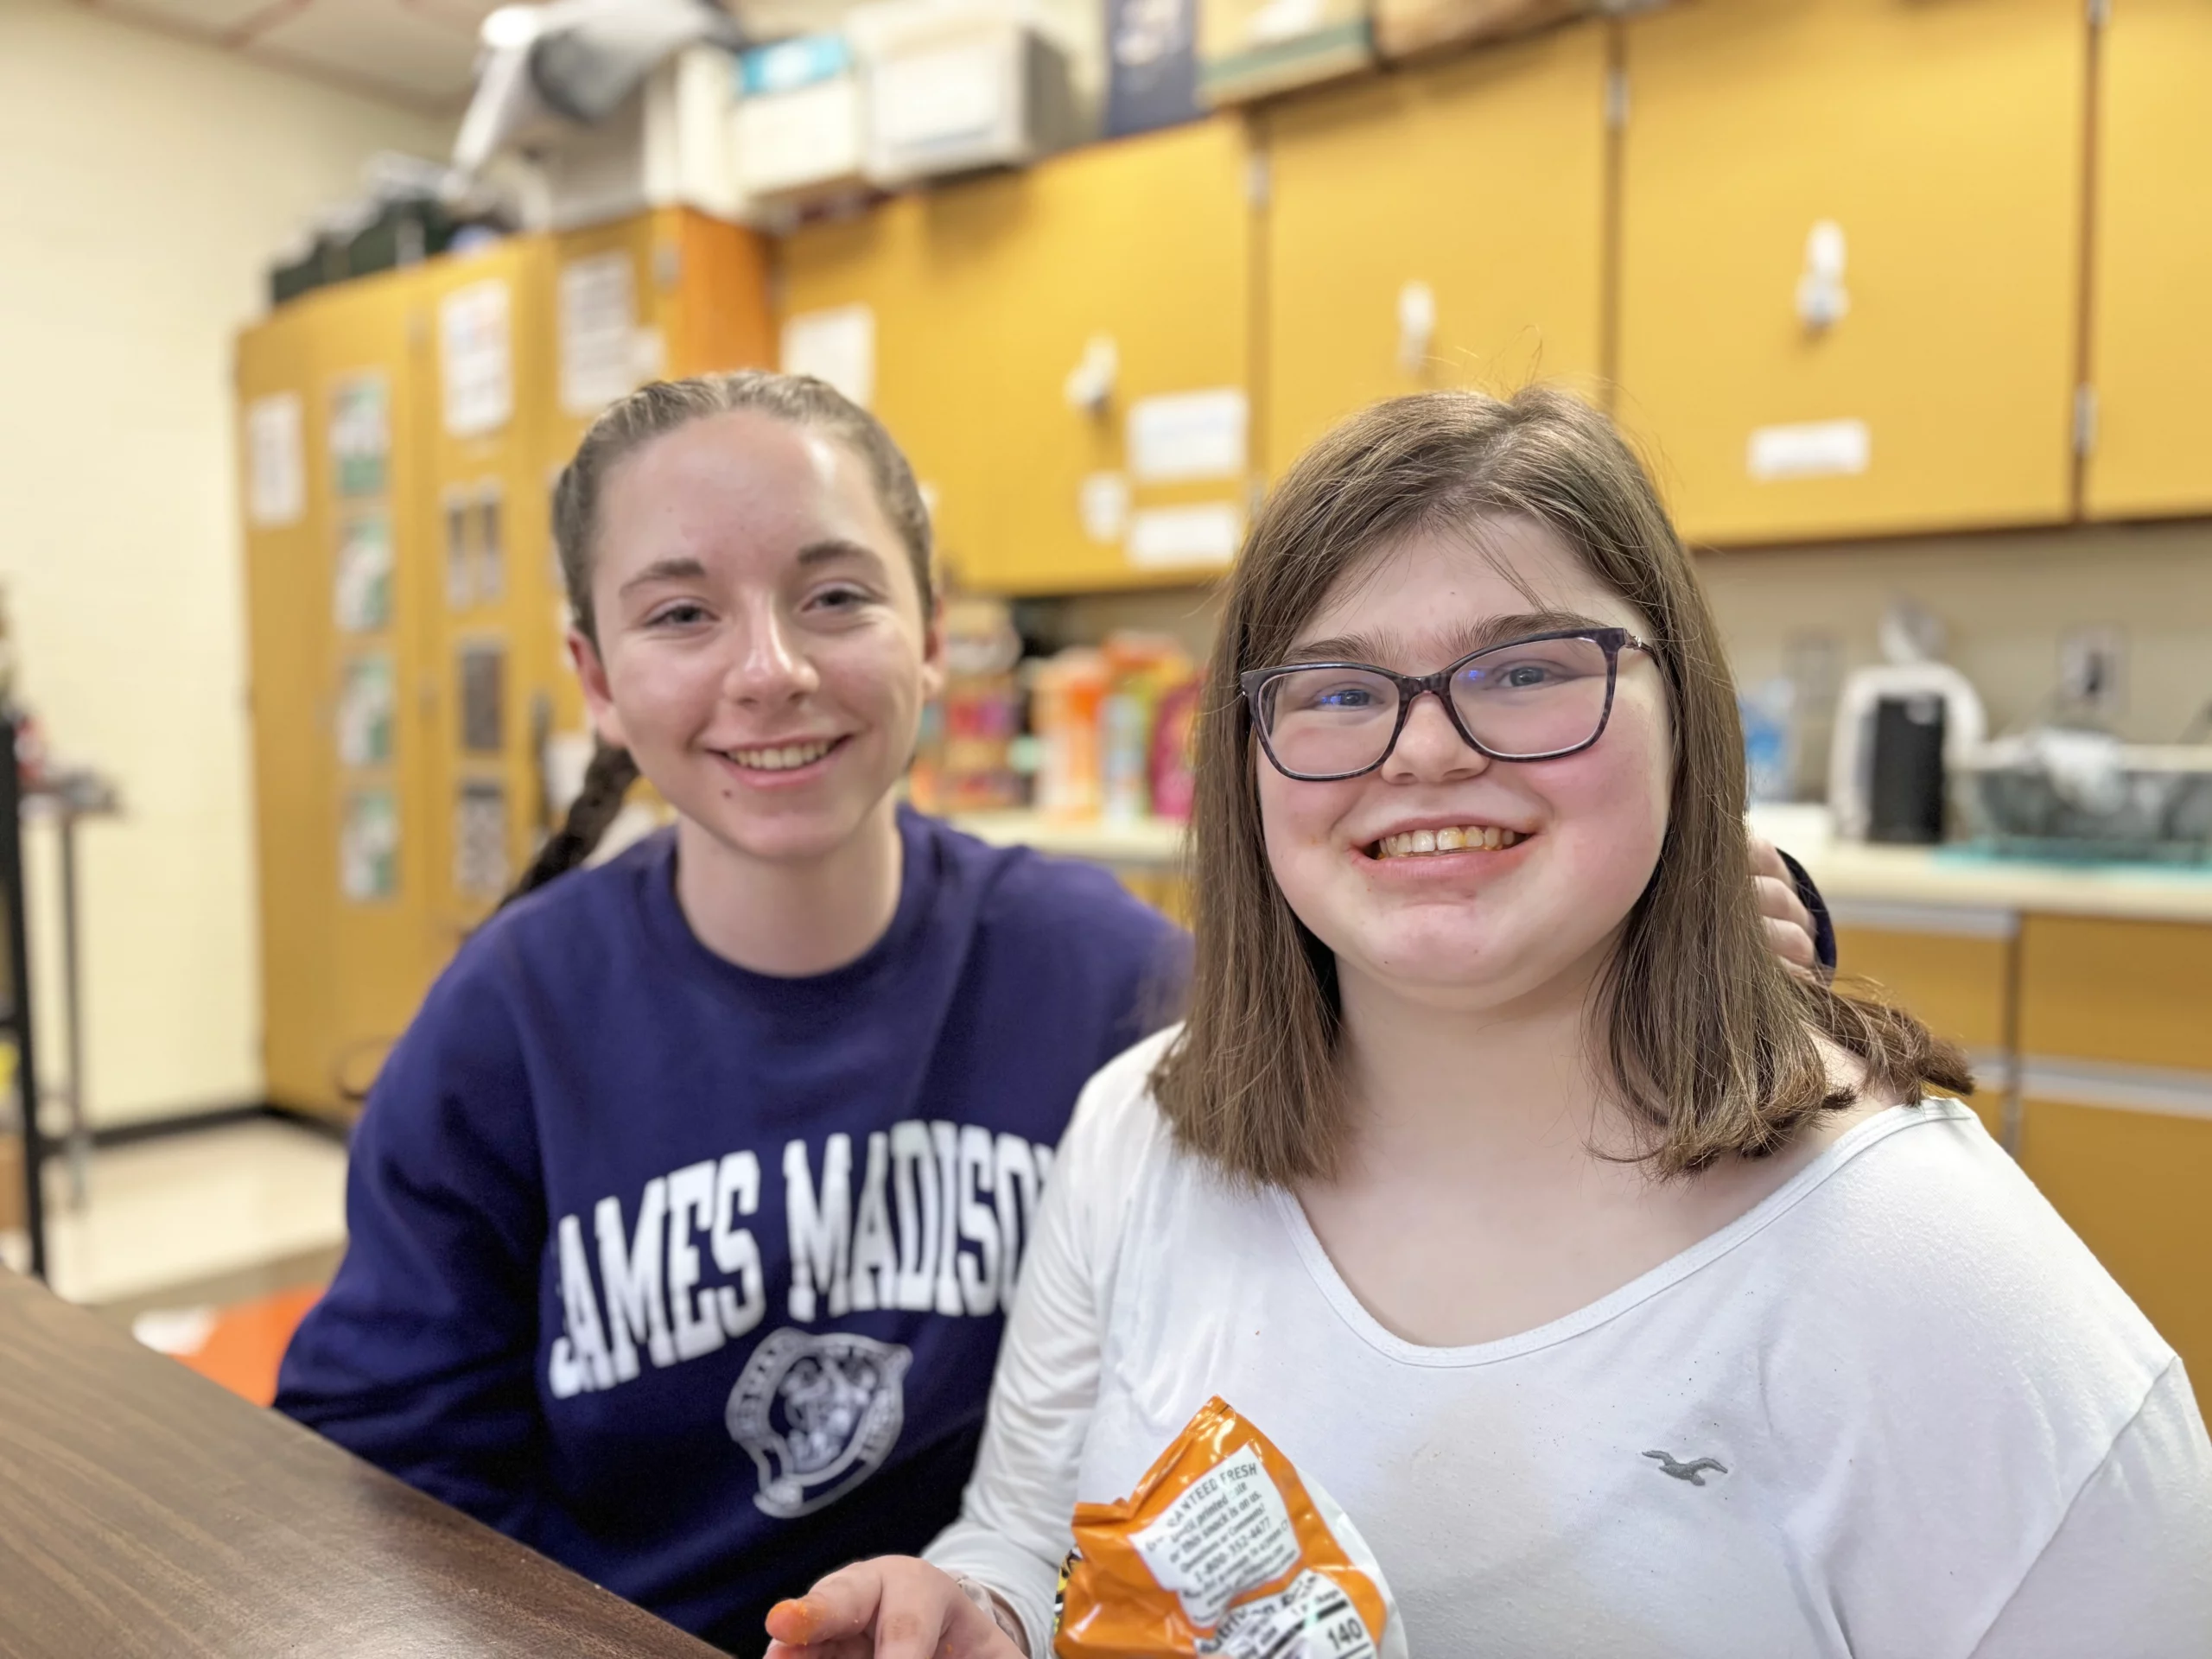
<point x="1896" y="1409"/>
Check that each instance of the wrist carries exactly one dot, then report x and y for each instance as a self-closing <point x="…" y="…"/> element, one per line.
<point x="994" y="1607"/>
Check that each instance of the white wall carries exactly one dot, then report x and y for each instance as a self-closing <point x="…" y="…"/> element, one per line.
<point x="145" y="183"/>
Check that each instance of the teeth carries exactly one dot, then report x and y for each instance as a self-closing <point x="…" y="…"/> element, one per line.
<point x="779" y="759"/>
<point x="1486" y="837"/>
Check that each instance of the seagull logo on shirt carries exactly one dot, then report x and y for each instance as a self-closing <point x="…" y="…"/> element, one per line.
<point x="1693" y="1472"/>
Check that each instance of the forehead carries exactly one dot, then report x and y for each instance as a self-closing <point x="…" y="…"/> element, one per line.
<point x="741" y="478"/>
<point x="1420" y="597"/>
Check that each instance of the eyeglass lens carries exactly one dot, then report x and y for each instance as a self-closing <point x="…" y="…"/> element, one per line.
<point x="1533" y="698"/>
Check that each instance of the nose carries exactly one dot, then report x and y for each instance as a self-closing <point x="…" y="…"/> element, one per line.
<point x="771" y="665"/>
<point x="1430" y="749"/>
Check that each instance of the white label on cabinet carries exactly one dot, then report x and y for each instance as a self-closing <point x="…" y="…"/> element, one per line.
<point x="1102" y="504"/>
<point x="1187" y="434"/>
<point x="599" y="318"/>
<point x="476" y="359"/>
<point x="1167" y="539"/>
<point x="275" y="467"/>
<point x="837" y="346"/>
<point x="1811" y="450"/>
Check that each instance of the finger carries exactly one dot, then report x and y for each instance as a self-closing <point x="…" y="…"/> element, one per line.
<point x="843" y="1604"/>
<point x="1781" y="901"/>
<point x="1792" y="944"/>
<point x="842" y="1647"/>
<point x="1766" y="859"/>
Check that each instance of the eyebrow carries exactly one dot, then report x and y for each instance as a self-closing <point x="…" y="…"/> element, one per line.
<point x="684" y="569"/>
<point x="1450" y="644"/>
<point x="813" y="554"/>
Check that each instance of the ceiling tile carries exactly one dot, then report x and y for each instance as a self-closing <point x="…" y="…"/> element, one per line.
<point x="424" y="56"/>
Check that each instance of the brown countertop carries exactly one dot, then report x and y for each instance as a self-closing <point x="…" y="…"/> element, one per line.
<point x="144" y="1510"/>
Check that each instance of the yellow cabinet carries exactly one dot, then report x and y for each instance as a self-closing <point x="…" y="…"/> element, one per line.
<point x="2116" y="1076"/>
<point x="983" y="296"/>
<point x="1950" y="967"/>
<point x="911" y="270"/>
<point x="1909" y="170"/>
<point x="1470" y="193"/>
<point x="2150" y="346"/>
<point x="336" y="601"/>
<point x="484" y="389"/>
<point x="1141" y="249"/>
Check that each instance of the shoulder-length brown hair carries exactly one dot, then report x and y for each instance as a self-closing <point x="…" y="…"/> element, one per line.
<point x="1707" y="1040"/>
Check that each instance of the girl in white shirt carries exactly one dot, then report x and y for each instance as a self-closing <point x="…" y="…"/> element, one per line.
<point x="1634" y="1296"/>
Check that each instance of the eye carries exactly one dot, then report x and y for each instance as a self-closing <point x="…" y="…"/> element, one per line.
<point x="843" y="596"/>
<point x="680" y="613"/>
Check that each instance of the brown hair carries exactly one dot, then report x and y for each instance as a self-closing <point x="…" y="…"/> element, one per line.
<point x="625" y="426"/>
<point x="1707" y="1040"/>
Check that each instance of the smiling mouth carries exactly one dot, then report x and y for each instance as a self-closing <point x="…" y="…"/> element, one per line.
<point x="1466" y="838"/>
<point x="784" y="757"/>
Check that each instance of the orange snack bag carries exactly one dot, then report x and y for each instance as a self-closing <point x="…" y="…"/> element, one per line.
<point x="1223" y="1549"/>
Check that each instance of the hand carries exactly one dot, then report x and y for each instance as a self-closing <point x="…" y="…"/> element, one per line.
<point x="893" y="1607"/>
<point x="1789" y="924"/>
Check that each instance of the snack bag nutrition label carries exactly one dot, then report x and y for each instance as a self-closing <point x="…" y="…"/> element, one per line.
<point x="1223" y="1549"/>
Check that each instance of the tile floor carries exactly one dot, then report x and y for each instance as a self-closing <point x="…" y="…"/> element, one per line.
<point x="211" y="1243"/>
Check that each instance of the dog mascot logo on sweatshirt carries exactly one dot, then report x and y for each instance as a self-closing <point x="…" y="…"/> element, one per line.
<point x="819" y="1412"/>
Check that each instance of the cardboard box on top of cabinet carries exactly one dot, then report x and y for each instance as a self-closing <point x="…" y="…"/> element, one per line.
<point x="1405" y="28"/>
<point x="1250" y="48"/>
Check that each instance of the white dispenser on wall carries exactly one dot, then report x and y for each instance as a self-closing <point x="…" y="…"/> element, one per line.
<point x="1885" y="714"/>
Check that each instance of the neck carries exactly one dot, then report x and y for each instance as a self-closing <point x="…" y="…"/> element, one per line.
<point x="1514" y="1087"/>
<point x="785" y="918"/>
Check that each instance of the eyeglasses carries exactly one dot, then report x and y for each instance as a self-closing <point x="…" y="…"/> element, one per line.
<point x="1533" y="699"/>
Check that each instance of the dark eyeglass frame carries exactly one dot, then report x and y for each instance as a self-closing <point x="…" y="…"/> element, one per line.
<point x="1253" y="683"/>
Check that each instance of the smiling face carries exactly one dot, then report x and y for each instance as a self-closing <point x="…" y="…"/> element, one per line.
<point x="762" y="650"/>
<point x="1396" y="871"/>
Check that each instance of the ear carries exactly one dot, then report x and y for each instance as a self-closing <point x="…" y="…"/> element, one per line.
<point x="599" y="699"/>
<point x="933" y="649"/>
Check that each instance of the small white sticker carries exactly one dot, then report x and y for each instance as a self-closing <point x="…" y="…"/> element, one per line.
<point x="1312" y="1618"/>
<point x="1811" y="450"/>
<point x="1165" y="538"/>
<point x="476" y="359"/>
<point x="1102" y="504"/>
<point x="1229" y="1533"/>
<point x="1188" y="434"/>
<point x="837" y="346"/>
<point x="275" y="469"/>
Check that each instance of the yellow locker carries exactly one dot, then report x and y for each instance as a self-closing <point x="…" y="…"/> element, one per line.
<point x="2150" y="349"/>
<point x="336" y="606"/>
<point x="1480" y="182"/>
<point x="1141" y="249"/>
<point x="483" y="393"/>
<point x="915" y="268"/>
<point x="1910" y="170"/>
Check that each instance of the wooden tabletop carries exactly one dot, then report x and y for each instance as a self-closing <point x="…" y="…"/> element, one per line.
<point x="144" y="1510"/>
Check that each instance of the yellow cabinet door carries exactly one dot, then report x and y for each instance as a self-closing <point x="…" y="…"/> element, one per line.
<point x="2116" y="1073"/>
<point x="337" y="607"/>
<point x="296" y="800"/>
<point x="1952" y="969"/>
<point x="1478" y="183"/>
<point x="911" y="271"/>
<point x="483" y="386"/>
<point x="2149" y="343"/>
<point x="1137" y="252"/>
<point x="1910" y="170"/>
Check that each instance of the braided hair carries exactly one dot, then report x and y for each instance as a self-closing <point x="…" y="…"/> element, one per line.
<point x="653" y="411"/>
